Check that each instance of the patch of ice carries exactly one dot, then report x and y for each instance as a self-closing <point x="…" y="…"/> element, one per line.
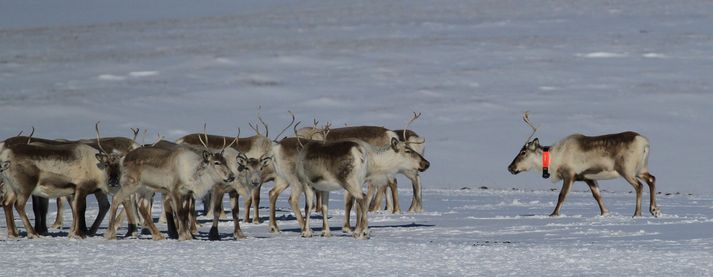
<point x="110" y="77"/>
<point x="143" y="73"/>
<point x="602" y="55"/>
<point x="654" y="55"/>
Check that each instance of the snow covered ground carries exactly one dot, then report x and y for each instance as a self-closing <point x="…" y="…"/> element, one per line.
<point x="471" y="67"/>
<point x="464" y="232"/>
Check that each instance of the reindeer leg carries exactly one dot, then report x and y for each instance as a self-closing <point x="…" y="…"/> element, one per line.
<point x="256" y="205"/>
<point x="132" y="216"/>
<point x="193" y="221"/>
<point x="326" y="232"/>
<point x="394" y="196"/>
<point x="182" y="216"/>
<point x="118" y="199"/>
<point x="375" y="204"/>
<point x="566" y="186"/>
<point x="162" y="215"/>
<point x="79" y="206"/>
<point x="59" y="219"/>
<point x="348" y="204"/>
<point x="169" y="206"/>
<point x="651" y="181"/>
<point x="103" y="202"/>
<point x="417" y="202"/>
<point x="594" y="187"/>
<point x="10" y="219"/>
<point x="217" y="193"/>
<point x="145" y="211"/>
<point x="20" y="207"/>
<point x="40" y="205"/>
<point x="361" y="231"/>
<point x="638" y="187"/>
<point x="235" y="210"/>
<point x="280" y="185"/>
<point x="309" y="203"/>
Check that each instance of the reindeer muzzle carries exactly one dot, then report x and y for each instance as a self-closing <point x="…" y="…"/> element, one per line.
<point x="230" y="178"/>
<point x="424" y="165"/>
<point x="512" y="170"/>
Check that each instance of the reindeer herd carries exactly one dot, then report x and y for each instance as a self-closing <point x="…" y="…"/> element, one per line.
<point x="313" y="162"/>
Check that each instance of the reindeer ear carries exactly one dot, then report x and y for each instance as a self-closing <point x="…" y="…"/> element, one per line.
<point x="535" y="143"/>
<point x="266" y="161"/>
<point x="206" y="156"/>
<point x="5" y="165"/>
<point x="395" y="144"/>
<point x="102" y="158"/>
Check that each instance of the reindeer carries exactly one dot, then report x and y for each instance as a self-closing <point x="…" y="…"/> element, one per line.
<point x="417" y="143"/>
<point x="54" y="171"/>
<point x="583" y="158"/>
<point x="177" y="172"/>
<point x="250" y="159"/>
<point x="347" y="164"/>
<point x="379" y="137"/>
<point x="116" y="147"/>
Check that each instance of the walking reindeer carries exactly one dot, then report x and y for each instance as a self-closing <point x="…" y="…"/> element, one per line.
<point x="583" y="158"/>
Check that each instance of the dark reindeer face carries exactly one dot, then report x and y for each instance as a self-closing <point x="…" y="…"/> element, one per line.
<point x="525" y="158"/>
<point x="252" y="168"/>
<point x="111" y="164"/>
<point x="415" y="160"/>
<point x="216" y="162"/>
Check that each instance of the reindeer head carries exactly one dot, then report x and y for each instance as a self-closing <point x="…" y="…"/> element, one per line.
<point x="216" y="165"/>
<point x="252" y="168"/>
<point x="527" y="157"/>
<point x="412" y="160"/>
<point x="528" y="153"/>
<point x="109" y="162"/>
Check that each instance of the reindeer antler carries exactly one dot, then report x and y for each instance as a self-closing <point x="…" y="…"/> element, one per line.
<point x="325" y="131"/>
<point x="288" y="126"/>
<point x="158" y="139"/>
<point x="255" y="128"/>
<point x="259" y="118"/>
<point x="99" y="144"/>
<point x="526" y="118"/>
<point x="415" y="116"/>
<point x="298" y="137"/>
<point x="136" y="134"/>
<point x="234" y="141"/>
<point x="29" y="138"/>
<point x="205" y="133"/>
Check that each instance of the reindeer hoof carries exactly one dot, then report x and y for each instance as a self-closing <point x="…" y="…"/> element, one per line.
<point x="274" y="230"/>
<point x="347" y="230"/>
<point x="213" y="234"/>
<point x="656" y="212"/>
<point x="57" y="226"/>
<point x="256" y="221"/>
<point x="239" y="236"/>
<point x="326" y="234"/>
<point x="554" y="214"/>
<point x="109" y="236"/>
<point x="34" y="236"/>
<point x="307" y="234"/>
<point x="157" y="237"/>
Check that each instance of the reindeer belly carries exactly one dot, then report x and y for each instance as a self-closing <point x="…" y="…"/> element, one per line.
<point x="602" y="175"/>
<point x="53" y="189"/>
<point x="327" y="185"/>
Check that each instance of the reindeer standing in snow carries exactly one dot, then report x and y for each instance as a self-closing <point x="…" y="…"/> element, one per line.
<point x="582" y="158"/>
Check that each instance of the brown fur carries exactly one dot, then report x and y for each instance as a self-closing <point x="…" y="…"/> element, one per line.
<point x="45" y="152"/>
<point x="612" y="143"/>
<point x="409" y="134"/>
<point x="152" y="156"/>
<point x="370" y="134"/>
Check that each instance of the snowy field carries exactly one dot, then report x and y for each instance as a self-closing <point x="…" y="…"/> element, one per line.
<point x="464" y="232"/>
<point x="471" y="68"/>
